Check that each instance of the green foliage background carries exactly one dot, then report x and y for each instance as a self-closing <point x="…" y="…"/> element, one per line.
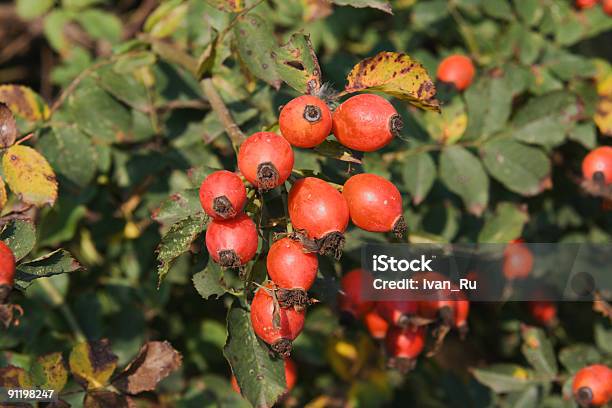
<point x="131" y="135"/>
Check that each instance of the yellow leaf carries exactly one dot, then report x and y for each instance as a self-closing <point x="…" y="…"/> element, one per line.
<point x="397" y="75"/>
<point x="93" y="363"/>
<point x="14" y="377"/>
<point x="50" y="372"/>
<point x="603" y="115"/>
<point x="24" y="102"/>
<point x="3" y="195"/>
<point x="29" y="175"/>
<point x="448" y="127"/>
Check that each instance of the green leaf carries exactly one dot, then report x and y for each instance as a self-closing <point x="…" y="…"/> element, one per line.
<point x="505" y="225"/>
<point x="377" y="4"/>
<point x="30" y="9"/>
<point x="578" y="356"/>
<point x="297" y="64"/>
<point x="530" y="11"/>
<point x="585" y="134"/>
<point x="255" y="42"/>
<point x="503" y="378"/>
<point x="124" y="86"/>
<point x="54" y="24"/>
<point x="489" y="104"/>
<point x="538" y="351"/>
<point x="20" y="236"/>
<point x="54" y="263"/>
<point x="419" y="174"/>
<point x="177" y="241"/>
<point x="178" y="207"/>
<point x="463" y="174"/>
<point x="71" y="154"/>
<point x="545" y="120"/>
<point x="498" y="9"/>
<point x="334" y="150"/>
<point x="81" y="4"/>
<point x="260" y="376"/>
<point x="522" y="169"/>
<point x="99" y="114"/>
<point x="209" y="282"/>
<point x="100" y="24"/>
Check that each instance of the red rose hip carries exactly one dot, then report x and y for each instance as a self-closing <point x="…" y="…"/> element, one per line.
<point x="376" y="325"/>
<point x="397" y="312"/>
<point x="265" y="159"/>
<point x="222" y="195"/>
<point x="290" y="322"/>
<point x="351" y="299"/>
<point x="366" y="122"/>
<point x="7" y="271"/>
<point x="232" y="243"/>
<point x="518" y="261"/>
<point x="458" y="70"/>
<point x="305" y="121"/>
<point x="374" y="203"/>
<point x="292" y="270"/>
<point x="404" y="345"/>
<point x="597" y="165"/>
<point x="319" y="209"/>
<point x="592" y="386"/>
<point x="585" y="4"/>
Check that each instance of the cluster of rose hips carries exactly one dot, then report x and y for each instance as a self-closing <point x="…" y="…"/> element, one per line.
<point x="592" y="386"/>
<point x="586" y="4"/>
<point x="401" y="324"/>
<point x="318" y="211"/>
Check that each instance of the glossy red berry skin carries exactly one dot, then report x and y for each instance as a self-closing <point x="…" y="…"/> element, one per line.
<point x="543" y="311"/>
<point x="305" y="121"/>
<point x="376" y="324"/>
<point x="290" y="267"/>
<point x="318" y="208"/>
<point x="374" y="203"/>
<point x="458" y="70"/>
<point x="585" y="4"/>
<point x="222" y="195"/>
<point x="518" y="261"/>
<point x="7" y="266"/>
<point x="405" y="343"/>
<point x="351" y="300"/>
<point x="265" y="159"/>
<point x="598" y="160"/>
<point x="237" y="235"/>
<point x="290" y="325"/>
<point x="592" y="385"/>
<point x="366" y="123"/>
<point x="290" y="377"/>
<point x="397" y="311"/>
<point x="607" y="7"/>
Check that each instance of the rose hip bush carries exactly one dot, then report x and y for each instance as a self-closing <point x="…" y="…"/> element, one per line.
<point x="186" y="186"/>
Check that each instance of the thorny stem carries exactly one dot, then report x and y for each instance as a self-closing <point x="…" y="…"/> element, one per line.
<point x="218" y="106"/>
<point x="58" y="300"/>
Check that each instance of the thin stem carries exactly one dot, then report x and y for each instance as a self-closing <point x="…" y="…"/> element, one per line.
<point x="464" y="28"/>
<point x="225" y="116"/>
<point x="58" y="300"/>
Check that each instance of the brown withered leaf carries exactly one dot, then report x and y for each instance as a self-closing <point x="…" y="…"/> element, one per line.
<point x="395" y="74"/>
<point x="107" y="399"/>
<point x="8" y="127"/>
<point x="154" y="362"/>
